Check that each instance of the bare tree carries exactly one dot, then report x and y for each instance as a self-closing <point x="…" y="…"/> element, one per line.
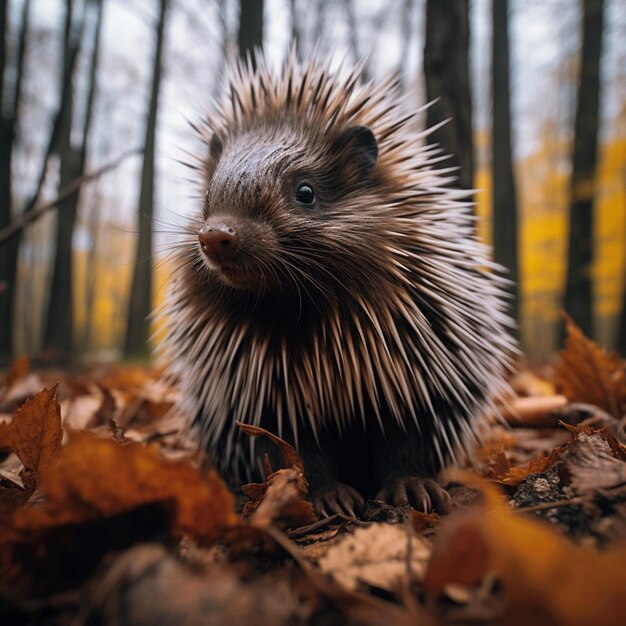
<point x="446" y="69"/>
<point x="93" y="221"/>
<point x="578" y="300"/>
<point x="406" y="30"/>
<point x="296" y="35"/>
<point x="72" y="150"/>
<point x="250" y="27"/>
<point x="504" y="191"/>
<point x="353" y="35"/>
<point x="9" y="109"/>
<point x="320" y="21"/>
<point x="138" y="326"/>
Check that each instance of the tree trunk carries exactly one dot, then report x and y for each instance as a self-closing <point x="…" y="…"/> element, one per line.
<point x="9" y="111"/>
<point x="140" y="306"/>
<point x="296" y="35"/>
<point x="93" y="221"/>
<point x="353" y="36"/>
<point x="58" y="336"/>
<point x="250" y="27"/>
<point x="406" y="30"/>
<point x="446" y="69"/>
<point x="505" y="244"/>
<point x="319" y="27"/>
<point x="578" y="290"/>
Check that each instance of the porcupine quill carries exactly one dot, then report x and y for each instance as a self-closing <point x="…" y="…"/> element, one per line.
<point x="334" y="291"/>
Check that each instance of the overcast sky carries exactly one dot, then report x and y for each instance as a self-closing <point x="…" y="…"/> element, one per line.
<point x="545" y="37"/>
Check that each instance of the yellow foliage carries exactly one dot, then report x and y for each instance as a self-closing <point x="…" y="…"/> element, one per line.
<point x="543" y="196"/>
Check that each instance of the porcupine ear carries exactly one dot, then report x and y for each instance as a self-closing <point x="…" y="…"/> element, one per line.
<point x="357" y="146"/>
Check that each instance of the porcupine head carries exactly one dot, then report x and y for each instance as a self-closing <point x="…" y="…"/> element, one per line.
<point x="332" y="290"/>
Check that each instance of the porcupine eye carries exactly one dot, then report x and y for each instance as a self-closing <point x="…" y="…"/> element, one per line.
<point x="305" y="194"/>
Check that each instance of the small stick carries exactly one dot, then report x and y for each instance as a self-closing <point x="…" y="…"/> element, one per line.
<point x="66" y="192"/>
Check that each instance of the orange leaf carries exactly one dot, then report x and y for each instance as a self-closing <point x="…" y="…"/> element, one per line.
<point x="587" y="373"/>
<point x="516" y="475"/>
<point x="290" y="456"/>
<point x="19" y="369"/>
<point x="37" y="431"/>
<point x="6" y="436"/>
<point x="97" y="477"/>
<point x="280" y="499"/>
<point x="544" y="577"/>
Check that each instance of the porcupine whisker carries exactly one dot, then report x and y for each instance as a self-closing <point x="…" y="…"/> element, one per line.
<point x="307" y="275"/>
<point x="406" y="326"/>
<point x="300" y="278"/>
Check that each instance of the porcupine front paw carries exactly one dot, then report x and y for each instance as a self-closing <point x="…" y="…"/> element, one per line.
<point x="339" y="498"/>
<point x="423" y="494"/>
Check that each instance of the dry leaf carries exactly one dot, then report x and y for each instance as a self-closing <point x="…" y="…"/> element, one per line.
<point x="290" y="456"/>
<point x="97" y="477"/>
<point x="19" y="369"/>
<point x="377" y="556"/>
<point x="515" y="475"/>
<point x="6" y="436"/>
<point x="37" y="431"/>
<point x="20" y="391"/>
<point x="281" y="499"/>
<point x="587" y="373"/>
<point x="594" y="459"/>
<point x="80" y="412"/>
<point x="543" y="577"/>
<point x="150" y="585"/>
<point x="128" y="378"/>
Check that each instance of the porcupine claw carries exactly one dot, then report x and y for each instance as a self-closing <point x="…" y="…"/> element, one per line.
<point x="423" y="494"/>
<point x="338" y="498"/>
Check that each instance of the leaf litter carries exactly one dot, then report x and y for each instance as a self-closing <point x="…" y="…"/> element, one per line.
<point x="108" y="514"/>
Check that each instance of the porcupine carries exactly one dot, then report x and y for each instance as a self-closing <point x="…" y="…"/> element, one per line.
<point x="333" y="291"/>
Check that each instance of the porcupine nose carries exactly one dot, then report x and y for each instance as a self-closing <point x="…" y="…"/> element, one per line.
<point x="218" y="240"/>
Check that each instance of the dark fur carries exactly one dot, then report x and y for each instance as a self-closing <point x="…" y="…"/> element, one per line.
<point x="365" y="329"/>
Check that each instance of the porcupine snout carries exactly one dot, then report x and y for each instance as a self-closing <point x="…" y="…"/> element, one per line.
<point x="218" y="240"/>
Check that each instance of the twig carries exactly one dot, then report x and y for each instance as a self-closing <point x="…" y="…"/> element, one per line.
<point x="612" y="493"/>
<point x="343" y="598"/>
<point x="66" y="192"/>
<point x="325" y="523"/>
<point x="534" y="411"/>
<point x="556" y="504"/>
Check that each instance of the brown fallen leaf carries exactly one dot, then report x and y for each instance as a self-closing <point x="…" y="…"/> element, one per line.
<point x="542" y="577"/>
<point x="6" y="437"/>
<point x="513" y="476"/>
<point x="36" y="432"/>
<point x="281" y="499"/>
<point x="96" y="477"/>
<point x="64" y="556"/>
<point x="128" y="378"/>
<point x="588" y="373"/>
<point x="19" y="369"/>
<point x="595" y="460"/>
<point x="290" y="456"/>
<point x="382" y="556"/>
<point x="20" y="391"/>
<point x="187" y="594"/>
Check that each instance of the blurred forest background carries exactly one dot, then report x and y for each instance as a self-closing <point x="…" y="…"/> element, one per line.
<point x="96" y="98"/>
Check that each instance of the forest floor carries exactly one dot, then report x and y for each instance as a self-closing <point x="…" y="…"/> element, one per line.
<point x="108" y="517"/>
